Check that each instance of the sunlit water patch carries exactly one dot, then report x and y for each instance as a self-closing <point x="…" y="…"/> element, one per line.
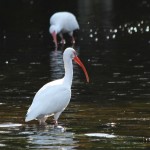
<point x="10" y="125"/>
<point x="100" y="135"/>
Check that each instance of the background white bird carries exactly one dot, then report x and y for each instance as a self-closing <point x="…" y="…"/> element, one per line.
<point x="54" y="96"/>
<point x="62" y="22"/>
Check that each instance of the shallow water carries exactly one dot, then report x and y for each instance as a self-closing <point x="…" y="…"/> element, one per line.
<point x="110" y="112"/>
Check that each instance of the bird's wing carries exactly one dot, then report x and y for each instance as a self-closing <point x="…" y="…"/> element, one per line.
<point x="48" y="100"/>
<point x="48" y="86"/>
<point x="67" y="21"/>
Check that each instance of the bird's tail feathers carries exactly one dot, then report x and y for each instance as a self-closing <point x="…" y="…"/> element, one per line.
<point x="29" y="117"/>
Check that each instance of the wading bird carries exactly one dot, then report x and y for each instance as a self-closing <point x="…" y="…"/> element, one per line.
<point x="54" y="96"/>
<point x="60" y="23"/>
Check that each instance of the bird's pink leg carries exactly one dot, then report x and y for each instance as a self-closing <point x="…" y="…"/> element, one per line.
<point x="42" y="121"/>
<point x="73" y="40"/>
<point x="56" y="116"/>
<point x="62" y="39"/>
<point x="55" y="122"/>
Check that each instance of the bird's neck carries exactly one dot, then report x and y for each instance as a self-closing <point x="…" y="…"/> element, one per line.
<point x="68" y="73"/>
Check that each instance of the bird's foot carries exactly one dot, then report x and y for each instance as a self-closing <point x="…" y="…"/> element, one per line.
<point x="73" y="40"/>
<point x="55" y="122"/>
<point x="42" y="123"/>
<point x="63" y="41"/>
<point x="59" y="128"/>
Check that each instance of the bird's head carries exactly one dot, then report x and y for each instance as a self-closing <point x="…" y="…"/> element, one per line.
<point x="70" y="52"/>
<point x="53" y="32"/>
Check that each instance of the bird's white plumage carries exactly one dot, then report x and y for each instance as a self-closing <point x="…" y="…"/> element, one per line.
<point x="64" y="22"/>
<point x="60" y="23"/>
<point x="54" y="96"/>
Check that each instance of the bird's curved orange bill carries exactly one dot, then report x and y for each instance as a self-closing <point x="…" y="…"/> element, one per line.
<point x="55" y="38"/>
<point x="78" y="61"/>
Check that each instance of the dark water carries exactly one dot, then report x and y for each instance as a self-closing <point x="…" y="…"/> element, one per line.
<point x="113" y="110"/>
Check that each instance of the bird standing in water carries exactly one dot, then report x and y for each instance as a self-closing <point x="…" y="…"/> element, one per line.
<point x="53" y="97"/>
<point x="60" y="23"/>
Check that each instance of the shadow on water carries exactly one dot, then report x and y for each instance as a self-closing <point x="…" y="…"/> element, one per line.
<point x="112" y="111"/>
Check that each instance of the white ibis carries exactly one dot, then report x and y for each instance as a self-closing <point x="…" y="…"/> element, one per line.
<point x="54" y="96"/>
<point x="63" y="22"/>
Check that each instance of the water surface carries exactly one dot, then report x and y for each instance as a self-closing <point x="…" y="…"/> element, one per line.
<point x="112" y="111"/>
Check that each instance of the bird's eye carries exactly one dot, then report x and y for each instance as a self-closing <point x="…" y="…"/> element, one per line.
<point x="74" y="53"/>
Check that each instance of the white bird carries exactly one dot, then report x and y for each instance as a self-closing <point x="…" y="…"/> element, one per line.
<point x="62" y="22"/>
<point x="54" y="96"/>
